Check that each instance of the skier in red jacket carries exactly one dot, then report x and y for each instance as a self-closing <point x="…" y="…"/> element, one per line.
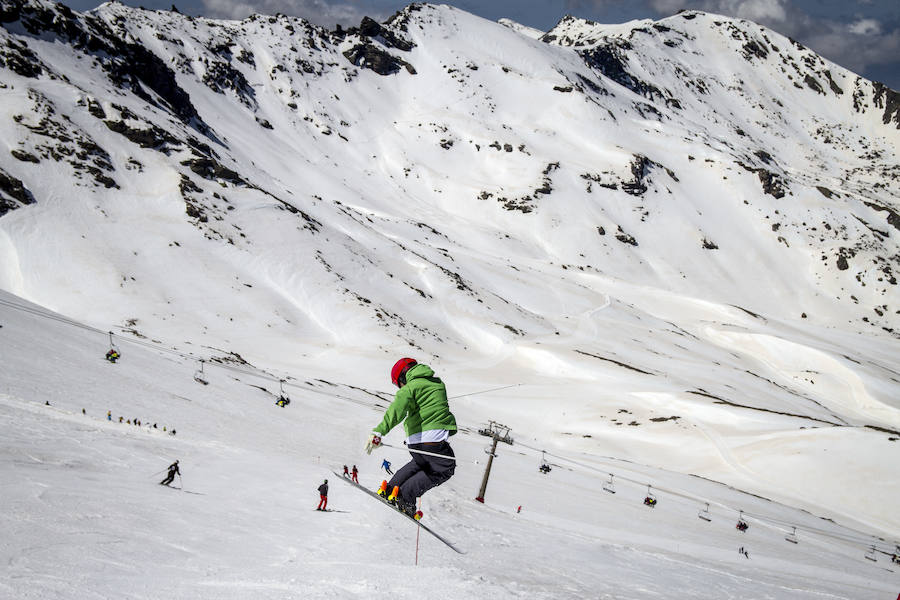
<point x="323" y="496"/>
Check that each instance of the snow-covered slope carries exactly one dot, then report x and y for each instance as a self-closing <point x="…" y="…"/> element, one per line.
<point x="83" y="516"/>
<point x="679" y="238"/>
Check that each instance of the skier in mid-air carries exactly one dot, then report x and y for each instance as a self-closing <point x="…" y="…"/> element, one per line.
<point x="421" y="404"/>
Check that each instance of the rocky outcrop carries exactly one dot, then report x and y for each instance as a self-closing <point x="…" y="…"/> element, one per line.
<point x="611" y="59"/>
<point x="889" y="100"/>
<point x="370" y="56"/>
<point x="13" y="193"/>
<point x="370" y="50"/>
<point x="127" y="64"/>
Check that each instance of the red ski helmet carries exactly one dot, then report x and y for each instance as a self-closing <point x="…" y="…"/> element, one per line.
<point x="400" y="369"/>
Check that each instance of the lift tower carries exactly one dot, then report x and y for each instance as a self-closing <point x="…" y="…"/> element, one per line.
<point x="498" y="433"/>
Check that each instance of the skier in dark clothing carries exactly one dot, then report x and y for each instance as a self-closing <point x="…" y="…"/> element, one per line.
<point x="173" y="471"/>
<point x="323" y="496"/>
<point x="386" y="465"/>
<point x="421" y="404"/>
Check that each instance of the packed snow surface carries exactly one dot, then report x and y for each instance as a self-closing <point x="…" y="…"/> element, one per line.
<point x="85" y="517"/>
<point x="662" y="254"/>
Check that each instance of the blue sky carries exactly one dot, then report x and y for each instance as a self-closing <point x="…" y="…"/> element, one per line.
<point x="861" y="35"/>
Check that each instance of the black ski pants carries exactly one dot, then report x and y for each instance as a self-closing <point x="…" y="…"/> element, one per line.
<point x="424" y="472"/>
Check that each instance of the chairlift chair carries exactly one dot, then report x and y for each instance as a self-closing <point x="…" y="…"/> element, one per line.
<point x="283" y="398"/>
<point x="792" y="536"/>
<point x="112" y="344"/>
<point x="870" y="555"/>
<point x="609" y="486"/>
<point x="741" y="524"/>
<point x="545" y="467"/>
<point x="199" y="375"/>
<point x="650" y="499"/>
<point x="113" y="354"/>
<point x="704" y="514"/>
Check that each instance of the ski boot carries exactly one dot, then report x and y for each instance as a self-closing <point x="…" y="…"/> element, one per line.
<point x="408" y="508"/>
<point x="382" y="490"/>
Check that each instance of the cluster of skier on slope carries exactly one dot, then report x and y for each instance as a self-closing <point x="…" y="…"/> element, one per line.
<point x="421" y="404"/>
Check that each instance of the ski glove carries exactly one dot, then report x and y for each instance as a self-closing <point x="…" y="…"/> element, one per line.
<point x="373" y="442"/>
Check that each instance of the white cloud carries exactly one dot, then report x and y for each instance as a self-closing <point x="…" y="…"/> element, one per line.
<point x="760" y="11"/>
<point x="857" y="50"/>
<point x="865" y="27"/>
<point x="315" y="11"/>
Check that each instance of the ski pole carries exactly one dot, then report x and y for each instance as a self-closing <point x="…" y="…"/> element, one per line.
<point x="419" y="451"/>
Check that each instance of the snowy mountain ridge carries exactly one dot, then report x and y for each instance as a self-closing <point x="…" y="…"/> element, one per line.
<point x="691" y="222"/>
<point x="216" y="62"/>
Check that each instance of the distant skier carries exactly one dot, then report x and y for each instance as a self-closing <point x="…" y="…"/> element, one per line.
<point x="355" y="472"/>
<point x="386" y="465"/>
<point x="323" y="496"/>
<point x="346" y="472"/>
<point x="173" y="471"/>
<point x="109" y="415"/>
<point x="421" y="404"/>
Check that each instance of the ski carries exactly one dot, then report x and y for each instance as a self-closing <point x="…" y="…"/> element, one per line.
<point x="381" y="500"/>
<point x="175" y="487"/>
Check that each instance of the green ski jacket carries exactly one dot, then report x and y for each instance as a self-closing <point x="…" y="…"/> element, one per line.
<point x="422" y="403"/>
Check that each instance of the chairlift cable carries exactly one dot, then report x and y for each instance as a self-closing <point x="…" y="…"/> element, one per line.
<point x="505" y="387"/>
<point x="860" y="540"/>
